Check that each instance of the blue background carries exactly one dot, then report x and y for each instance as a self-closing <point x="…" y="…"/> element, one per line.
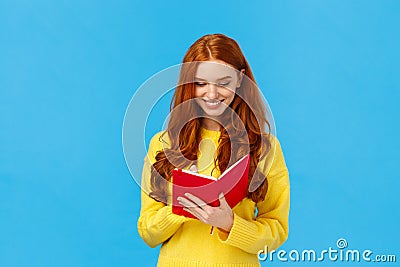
<point x="329" y="70"/>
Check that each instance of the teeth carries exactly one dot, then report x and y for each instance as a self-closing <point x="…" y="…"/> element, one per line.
<point x="213" y="103"/>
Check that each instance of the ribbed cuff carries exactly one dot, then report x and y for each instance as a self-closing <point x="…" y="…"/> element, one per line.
<point x="242" y="234"/>
<point x="169" y="219"/>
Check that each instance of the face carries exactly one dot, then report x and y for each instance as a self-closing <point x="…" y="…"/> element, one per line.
<point x="215" y="86"/>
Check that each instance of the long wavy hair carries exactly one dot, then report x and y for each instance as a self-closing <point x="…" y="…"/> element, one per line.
<point x="185" y="139"/>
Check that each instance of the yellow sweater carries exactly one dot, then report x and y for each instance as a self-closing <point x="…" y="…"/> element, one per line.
<point x="188" y="242"/>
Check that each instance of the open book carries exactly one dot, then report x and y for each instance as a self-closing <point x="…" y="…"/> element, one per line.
<point x="233" y="182"/>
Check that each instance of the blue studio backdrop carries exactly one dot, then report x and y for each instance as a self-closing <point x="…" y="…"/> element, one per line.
<point x="68" y="69"/>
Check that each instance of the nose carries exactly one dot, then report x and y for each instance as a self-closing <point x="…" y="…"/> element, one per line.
<point x="212" y="91"/>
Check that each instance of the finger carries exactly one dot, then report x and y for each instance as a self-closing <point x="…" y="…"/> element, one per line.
<point x="196" y="200"/>
<point x="199" y="213"/>
<point x="193" y="168"/>
<point x="195" y="214"/>
<point x="186" y="202"/>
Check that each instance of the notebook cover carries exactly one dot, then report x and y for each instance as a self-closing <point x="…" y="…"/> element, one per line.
<point x="233" y="183"/>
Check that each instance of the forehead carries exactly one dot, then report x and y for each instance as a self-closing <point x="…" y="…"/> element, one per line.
<point x="212" y="70"/>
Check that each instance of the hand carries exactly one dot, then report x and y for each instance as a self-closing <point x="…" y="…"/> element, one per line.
<point x="221" y="217"/>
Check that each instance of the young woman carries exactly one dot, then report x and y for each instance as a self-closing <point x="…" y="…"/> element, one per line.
<point x="217" y="117"/>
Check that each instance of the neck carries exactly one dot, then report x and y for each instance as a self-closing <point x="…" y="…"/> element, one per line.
<point x="210" y="124"/>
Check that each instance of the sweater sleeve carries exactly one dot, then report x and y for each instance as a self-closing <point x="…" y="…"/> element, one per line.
<point x="271" y="227"/>
<point x="156" y="222"/>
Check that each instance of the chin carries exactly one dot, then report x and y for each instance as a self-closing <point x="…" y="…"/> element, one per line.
<point x="213" y="112"/>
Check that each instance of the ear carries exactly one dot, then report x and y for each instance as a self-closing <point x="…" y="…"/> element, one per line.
<point x="241" y="74"/>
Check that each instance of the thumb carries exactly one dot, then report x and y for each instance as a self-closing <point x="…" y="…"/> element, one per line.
<point x="222" y="199"/>
<point x="193" y="168"/>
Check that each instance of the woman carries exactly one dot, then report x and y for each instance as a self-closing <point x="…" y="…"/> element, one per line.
<point x="217" y="117"/>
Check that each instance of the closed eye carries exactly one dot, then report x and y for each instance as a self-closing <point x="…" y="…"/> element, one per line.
<point x="200" y="84"/>
<point x="224" y="83"/>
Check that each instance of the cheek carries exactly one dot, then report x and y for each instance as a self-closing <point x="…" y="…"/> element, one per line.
<point x="229" y="95"/>
<point x="198" y="92"/>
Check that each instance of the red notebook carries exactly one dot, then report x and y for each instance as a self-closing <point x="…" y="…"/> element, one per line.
<point x="233" y="182"/>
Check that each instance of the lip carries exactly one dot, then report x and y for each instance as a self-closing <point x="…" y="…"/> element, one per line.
<point x="213" y="104"/>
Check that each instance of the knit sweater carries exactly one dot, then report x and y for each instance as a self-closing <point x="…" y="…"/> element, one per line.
<point x="188" y="242"/>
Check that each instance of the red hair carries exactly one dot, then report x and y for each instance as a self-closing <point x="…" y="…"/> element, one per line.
<point x="185" y="139"/>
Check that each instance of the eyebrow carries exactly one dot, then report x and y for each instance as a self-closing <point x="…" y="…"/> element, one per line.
<point x="201" y="79"/>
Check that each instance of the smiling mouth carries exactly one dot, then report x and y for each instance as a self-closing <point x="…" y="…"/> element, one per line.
<point x="213" y="102"/>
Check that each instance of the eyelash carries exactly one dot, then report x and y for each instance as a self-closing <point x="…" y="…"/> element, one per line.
<point x="201" y="84"/>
